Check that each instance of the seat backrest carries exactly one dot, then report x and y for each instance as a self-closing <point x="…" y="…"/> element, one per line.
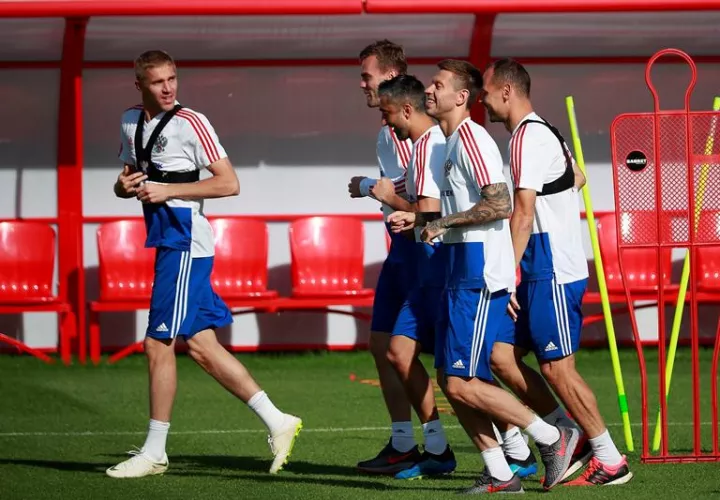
<point x="27" y="260"/>
<point x="327" y="253"/>
<point x="125" y="266"/>
<point x="241" y="256"/>
<point x="639" y="264"/>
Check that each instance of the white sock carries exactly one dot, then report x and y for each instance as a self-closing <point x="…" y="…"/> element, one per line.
<point x="560" y="417"/>
<point x="154" y="446"/>
<point x="542" y="432"/>
<point x="498" y="435"/>
<point x="514" y="445"/>
<point x="403" y="439"/>
<point x="435" y="441"/>
<point x="605" y="450"/>
<point x="265" y="409"/>
<point x="496" y="464"/>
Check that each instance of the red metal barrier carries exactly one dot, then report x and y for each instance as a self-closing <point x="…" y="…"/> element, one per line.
<point x="660" y="165"/>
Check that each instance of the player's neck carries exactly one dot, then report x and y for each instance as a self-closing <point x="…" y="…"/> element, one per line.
<point x="452" y="121"/>
<point x="517" y="113"/>
<point x="418" y="129"/>
<point x="151" y="110"/>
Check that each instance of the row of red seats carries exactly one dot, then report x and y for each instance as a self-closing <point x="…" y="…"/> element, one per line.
<point x="327" y="256"/>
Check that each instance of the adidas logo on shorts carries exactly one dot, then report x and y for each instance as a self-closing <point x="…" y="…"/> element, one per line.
<point x="458" y="365"/>
<point x="550" y="347"/>
<point x="161" y="328"/>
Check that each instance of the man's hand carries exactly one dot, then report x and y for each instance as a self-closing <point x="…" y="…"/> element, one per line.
<point x="354" y="187"/>
<point x="401" y="221"/>
<point x="128" y="182"/>
<point x="153" y="193"/>
<point x="383" y="190"/>
<point x="432" y="231"/>
<point x="513" y="307"/>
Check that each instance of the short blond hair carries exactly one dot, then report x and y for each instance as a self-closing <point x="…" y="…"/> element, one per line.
<point x="151" y="59"/>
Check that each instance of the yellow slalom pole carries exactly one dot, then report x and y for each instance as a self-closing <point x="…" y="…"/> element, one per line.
<point x="617" y="371"/>
<point x="685" y="278"/>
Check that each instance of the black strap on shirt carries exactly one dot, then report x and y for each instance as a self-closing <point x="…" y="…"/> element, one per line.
<point x="143" y="156"/>
<point x="567" y="179"/>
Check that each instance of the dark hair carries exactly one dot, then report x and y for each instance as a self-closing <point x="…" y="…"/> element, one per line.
<point x="389" y="55"/>
<point x="467" y="77"/>
<point x="151" y="59"/>
<point x="509" y="71"/>
<point x="404" y="89"/>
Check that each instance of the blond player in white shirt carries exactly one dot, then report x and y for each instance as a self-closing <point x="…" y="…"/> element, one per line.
<point x="477" y="247"/>
<point x="163" y="148"/>
<point x="547" y="244"/>
<point x="381" y="61"/>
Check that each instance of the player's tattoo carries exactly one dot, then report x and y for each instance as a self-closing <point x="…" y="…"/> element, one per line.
<point x="494" y="205"/>
<point x="424" y="218"/>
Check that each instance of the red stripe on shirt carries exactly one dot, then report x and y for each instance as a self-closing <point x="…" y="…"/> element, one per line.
<point x="402" y="152"/>
<point x="516" y="154"/>
<point x="420" y="165"/>
<point x="202" y="132"/>
<point x="473" y="151"/>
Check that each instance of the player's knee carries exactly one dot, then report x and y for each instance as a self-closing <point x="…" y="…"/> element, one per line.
<point x="156" y="349"/>
<point x="401" y="359"/>
<point x="455" y="389"/>
<point x="379" y="345"/>
<point x="558" y="370"/>
<point x="201" y="347"/>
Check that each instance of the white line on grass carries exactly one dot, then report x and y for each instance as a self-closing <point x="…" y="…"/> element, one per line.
<point x="255" y="431"/>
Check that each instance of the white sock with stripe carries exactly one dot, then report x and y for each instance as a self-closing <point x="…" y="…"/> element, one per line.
<point x="514" y="445"/>
<point x="265" y="409"/>
<point x="403" y="438"/>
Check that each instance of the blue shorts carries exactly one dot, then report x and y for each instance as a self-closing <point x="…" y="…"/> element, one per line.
<point x="470" y="320"/>
<point x="418" y="317"/>
<point x="183" y="302"/>
<point x="550" y="318"/>
<point x="394" y="284"/>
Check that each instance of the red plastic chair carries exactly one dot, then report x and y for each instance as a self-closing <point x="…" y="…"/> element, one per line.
<point x="125" y="269"/>
<point x="708" y="258"/>
<point x="27" y="262"/>
<point x="640" y="264"/>
<point x="240" y="269"/>
<point x="327" y="256"/>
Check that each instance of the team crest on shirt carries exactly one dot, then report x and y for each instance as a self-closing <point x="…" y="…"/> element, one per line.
<point x="448" y="166"/>
<point x="160" y="144"/>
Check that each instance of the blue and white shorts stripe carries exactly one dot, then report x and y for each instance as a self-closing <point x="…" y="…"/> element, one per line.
<point x="470" y="321"/>
<point x="183" y="302"/>
<point x="550" y="318"/>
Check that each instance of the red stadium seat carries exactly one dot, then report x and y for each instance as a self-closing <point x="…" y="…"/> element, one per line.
<point x="240" y="270"/>
<point x="640" y="264"/>
<point x="327" y="256"/>
<point x="27" y="264"/>
<point x="708" y="258"/>
<point x="125" y="270"/>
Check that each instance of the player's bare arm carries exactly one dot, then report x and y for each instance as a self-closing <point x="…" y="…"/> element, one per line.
<point x="224" y="182"/>
<point x="494" y="205"/>
<point x="384" y="192"/>
<point x="128" y="182"/>
<point x="521" y="222"/>
<point x="579" y="177"/>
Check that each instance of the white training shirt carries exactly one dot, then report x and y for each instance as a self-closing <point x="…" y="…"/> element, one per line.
<point x="555" y="248"/>
<point x="188" y="142"/>
<point x="393" y="157"/>
<point x="426" y="170"/>
<point x="480" y="256"/>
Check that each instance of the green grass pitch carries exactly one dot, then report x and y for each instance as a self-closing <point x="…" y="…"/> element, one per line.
<point x="60" y="427"/>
